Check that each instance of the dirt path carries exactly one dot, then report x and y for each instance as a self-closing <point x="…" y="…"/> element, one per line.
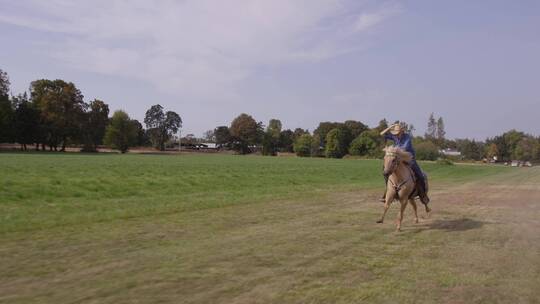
<point x="482" y="245"/>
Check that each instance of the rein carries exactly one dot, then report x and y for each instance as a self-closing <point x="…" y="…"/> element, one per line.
<point x="398" y="187"/>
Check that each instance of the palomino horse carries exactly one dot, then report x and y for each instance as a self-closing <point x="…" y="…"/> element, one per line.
<point x="401" y="182"/>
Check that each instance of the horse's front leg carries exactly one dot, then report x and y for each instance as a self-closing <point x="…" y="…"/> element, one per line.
<point x="403" y="203"/>
<point x="388" y="200"/>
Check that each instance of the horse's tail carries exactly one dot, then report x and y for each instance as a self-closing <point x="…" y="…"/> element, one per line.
<point x="426" y="182"/>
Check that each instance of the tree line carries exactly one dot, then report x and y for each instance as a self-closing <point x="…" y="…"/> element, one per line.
<point x="53" y="115"/>
<point x="351" y="137"/>
<point x="329" y="139"/>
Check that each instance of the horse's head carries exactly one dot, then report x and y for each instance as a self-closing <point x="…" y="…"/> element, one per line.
<point x="391" y="160"/>
<point x="393" y="157"/>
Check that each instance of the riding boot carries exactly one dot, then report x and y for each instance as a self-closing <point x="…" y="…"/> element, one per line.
<point x="422" y="194"/>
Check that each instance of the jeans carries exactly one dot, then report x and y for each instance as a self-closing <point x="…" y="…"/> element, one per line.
<point x="419" y="174"/>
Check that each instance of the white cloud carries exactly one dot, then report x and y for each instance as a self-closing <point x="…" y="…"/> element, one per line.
<point x="368" y="20"/>
<point x="195" y="47"/>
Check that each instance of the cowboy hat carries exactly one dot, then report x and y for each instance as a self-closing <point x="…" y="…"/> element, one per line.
<point x="396" y="129"/>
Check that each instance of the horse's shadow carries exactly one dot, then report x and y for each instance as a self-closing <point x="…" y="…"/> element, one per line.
<point x="452" y="225"/>
<point x="462" y="224"/>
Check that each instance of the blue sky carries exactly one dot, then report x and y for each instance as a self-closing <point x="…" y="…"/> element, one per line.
<point x="475" y="63"/>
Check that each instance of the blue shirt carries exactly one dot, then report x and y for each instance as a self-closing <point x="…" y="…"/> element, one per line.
<point x="404" y="143"/>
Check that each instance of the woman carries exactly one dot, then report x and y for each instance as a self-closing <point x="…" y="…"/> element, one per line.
<point x="401" y="139"/>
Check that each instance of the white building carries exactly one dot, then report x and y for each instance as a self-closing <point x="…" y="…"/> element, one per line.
<point x="450" y="152"/>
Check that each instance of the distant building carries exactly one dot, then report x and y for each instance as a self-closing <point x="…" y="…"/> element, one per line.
<point x="450" y="152"/>
<point x="208" y="145"/>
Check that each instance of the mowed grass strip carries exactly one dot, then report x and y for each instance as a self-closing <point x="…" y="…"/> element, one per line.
<point x="44" y="190"/>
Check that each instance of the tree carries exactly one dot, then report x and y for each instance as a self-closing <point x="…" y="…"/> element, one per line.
<point x="363" y="145"/>
<point x="161" y="125"/>
<point x="355" y="128"/>
<point x="97" y="119"/>
<point x="512" y="139"/>
<point x="383" y="124"/>
<point x="336" y="145"/>
<point x="26" y="121"/>
<point x="209" y="136"/>
<point x="61" y="107"/>
<point x="245" y="132"/>
<point x="189" y="140"/>
<point x="527" y="149"/>
<point x="286" y="141"/>
<point x="268" y="147"/>
<point x="6" y="120"/>
<point x="274" y="128"/>
<point x="411" y="129"/>
<point x="6" y="110"/>
<point x="4" y="84"/>
<point x="440" y="132"/>
<point x="223" y="136"/>
<point x="349" y="128"/>
<point x="431" y="132"/>
<point x="369" y="143"/>
<point x="316" y="149"/>
<point x="470" y="149"/>
<point x="323" y="129"/>
<point x="503" y="151"/>
<point x="506" y="143"/>
<point x="299" y="132"/>
<point x="302" y="145"/>
<point x="492" y="151"/>
<point x="142" y="138"/>
<point x="121" y="132"/>
<point x="271" y="137"/>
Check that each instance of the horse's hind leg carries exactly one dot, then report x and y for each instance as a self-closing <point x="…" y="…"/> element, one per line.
<point x="428" y="210"/>
<point x="413" y="203"/>
<point x="400" y="215"/>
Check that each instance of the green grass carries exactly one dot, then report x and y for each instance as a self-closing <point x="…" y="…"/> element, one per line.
<point x="46" y="190"/>
<point x="104" y="228"/>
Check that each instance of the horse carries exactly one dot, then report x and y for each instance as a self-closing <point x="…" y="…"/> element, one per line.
<point x="401" y="183"/>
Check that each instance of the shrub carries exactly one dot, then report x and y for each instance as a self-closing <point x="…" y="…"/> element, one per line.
<point x="427" y="151"/>
<point x="364" y="145"/>
<point x="444" y="162"/>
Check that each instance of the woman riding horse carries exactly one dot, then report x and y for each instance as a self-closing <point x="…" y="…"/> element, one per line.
<point x="397" y="134"/>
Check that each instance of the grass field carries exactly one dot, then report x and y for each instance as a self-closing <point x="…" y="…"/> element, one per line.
<point x="105" y="228"/>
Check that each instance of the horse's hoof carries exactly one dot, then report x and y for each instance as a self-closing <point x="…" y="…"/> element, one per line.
<point x="379" y="221"/>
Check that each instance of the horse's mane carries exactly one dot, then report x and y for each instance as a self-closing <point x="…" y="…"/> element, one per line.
<point x="403" y="155"/>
